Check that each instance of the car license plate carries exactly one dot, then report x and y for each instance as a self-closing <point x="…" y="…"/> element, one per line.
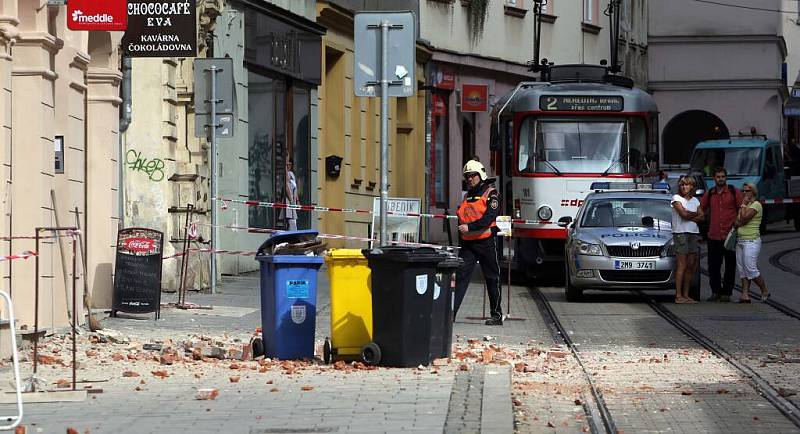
<point x="634" y="265"/>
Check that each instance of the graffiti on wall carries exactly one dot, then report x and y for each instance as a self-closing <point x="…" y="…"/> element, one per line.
<point x="154" y="168"/>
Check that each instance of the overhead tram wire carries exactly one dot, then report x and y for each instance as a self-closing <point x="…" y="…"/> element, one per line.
<point x="752" y="8"/>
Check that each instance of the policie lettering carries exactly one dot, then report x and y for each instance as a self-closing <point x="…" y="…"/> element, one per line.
<point x="572" y="202"/>
<point x="153" y="168"/>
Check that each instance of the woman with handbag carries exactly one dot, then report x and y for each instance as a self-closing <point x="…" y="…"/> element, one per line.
<point x="748" y="244"/>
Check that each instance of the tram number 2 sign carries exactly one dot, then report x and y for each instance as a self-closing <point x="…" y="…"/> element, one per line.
<point x="581" y="103"/>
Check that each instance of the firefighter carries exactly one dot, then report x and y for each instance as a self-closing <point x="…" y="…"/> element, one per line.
<point x="477" y="234"/>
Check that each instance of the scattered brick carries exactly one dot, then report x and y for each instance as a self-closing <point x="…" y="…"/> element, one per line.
<point x="206" y="394"/>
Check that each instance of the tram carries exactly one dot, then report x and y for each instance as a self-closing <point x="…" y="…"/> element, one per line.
<point x="557" y="137"/>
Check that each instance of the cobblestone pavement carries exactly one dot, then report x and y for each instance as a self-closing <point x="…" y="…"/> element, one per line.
<point x="654" y="378"/>
<point x="501" y="379"/>
<point x="269" y="398"/>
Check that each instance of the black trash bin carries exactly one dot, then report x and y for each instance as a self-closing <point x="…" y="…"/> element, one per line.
<point x="442" y="310"/>
<point x="402" y="298"/>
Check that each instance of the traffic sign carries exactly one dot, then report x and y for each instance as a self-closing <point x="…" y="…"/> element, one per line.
<point x="401" y="53"/>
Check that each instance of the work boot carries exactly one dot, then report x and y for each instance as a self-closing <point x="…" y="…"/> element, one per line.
<point x="724" y="298"/>
<point x="714" y="297"/>
<point x="494" y="321"/>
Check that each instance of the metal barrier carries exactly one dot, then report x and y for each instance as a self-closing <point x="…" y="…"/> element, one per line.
<point x="15" y="419"/>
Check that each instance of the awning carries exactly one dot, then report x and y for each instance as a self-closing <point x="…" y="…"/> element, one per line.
<point x="792" y="107"/>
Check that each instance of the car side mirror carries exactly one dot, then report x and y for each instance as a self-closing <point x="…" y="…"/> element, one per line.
<point x="648" y="221"/>
<point x="564" y="221"/>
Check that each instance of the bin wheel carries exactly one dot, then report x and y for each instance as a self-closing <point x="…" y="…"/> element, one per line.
<point x="326" y="351"/>
<point x="258" y="347"/>
<point x="371" y="354"/>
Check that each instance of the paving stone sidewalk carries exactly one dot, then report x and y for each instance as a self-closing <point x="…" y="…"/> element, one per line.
<point x="315" y="398"/>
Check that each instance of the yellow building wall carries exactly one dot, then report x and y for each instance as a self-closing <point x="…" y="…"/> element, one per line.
<point x="349" y="127"/>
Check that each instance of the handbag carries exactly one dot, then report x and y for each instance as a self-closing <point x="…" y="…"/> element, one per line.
<point x="731" y="239"/>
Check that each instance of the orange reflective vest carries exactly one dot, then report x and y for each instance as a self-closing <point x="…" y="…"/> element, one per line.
<point x="469" y="212"/>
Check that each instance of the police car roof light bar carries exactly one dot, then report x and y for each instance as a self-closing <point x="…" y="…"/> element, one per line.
<point x="662" y="187"/>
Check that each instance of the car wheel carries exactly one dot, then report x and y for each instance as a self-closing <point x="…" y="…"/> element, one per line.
<point x="573" y="294"/>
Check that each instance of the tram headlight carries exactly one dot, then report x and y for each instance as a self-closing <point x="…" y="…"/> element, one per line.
<point x="584" y="248"/>
<point x="545" y="212"/>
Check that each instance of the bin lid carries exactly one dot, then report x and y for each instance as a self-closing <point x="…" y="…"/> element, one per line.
<point x="345" y="254"/>
<point x="451" y="262"/>
<point x="291" y="259"/>
<point x="286" y="237"/>
<point x="404" y="254"/>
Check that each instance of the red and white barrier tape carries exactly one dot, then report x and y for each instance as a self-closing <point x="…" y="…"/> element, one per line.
<point x="780" y="200"/>
<point x="363" y="211"/>
<point x="327" y="236"/>
<point x="24" y="255"/>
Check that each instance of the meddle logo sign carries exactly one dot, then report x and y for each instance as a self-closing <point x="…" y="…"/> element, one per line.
<point x="106" y="15"/>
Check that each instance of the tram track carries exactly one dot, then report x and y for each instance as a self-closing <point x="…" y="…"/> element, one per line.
<point x="774" y="260"/>
<point x="598" y="409"/>
<point x="762" y="386"/>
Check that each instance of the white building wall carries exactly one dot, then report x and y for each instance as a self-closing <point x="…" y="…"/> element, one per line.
<point x="790" y="24"/>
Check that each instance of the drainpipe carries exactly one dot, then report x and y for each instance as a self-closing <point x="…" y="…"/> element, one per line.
<point x="124" y="123"/>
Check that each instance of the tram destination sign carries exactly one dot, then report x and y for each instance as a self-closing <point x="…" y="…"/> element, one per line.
<point x="581" y="103"/>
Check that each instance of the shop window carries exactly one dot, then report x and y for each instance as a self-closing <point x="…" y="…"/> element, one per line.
<point x="58" y="142"/>
<point x="301" y="150"/>
<point x="440" y="152"/>
<point x="279" y="130"/>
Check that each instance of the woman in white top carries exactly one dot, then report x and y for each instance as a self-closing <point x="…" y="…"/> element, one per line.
<point x="291" y="196"/>
<point x="686" y="212"/>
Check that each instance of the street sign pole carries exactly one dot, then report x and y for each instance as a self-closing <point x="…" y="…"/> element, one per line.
<point x="385" y="65"/>
<point x="214" y="214"/>
<point x="384" y="126"/>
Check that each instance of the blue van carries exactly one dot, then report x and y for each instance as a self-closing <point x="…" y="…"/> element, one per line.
<point x="753" y="159"/>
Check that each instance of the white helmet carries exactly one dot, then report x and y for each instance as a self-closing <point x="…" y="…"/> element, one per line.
<point x="474" y="166"/>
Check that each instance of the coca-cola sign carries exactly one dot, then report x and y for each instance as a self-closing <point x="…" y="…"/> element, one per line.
<point x="139" y="244"/>
<point x="137" y="272"/>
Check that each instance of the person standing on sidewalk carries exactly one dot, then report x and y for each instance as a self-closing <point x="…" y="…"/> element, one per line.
<point x="721" y="204"/>
<point x="686" y="213"/>
<point x="291" y="196"/>
<point x="748" y="245"/>
<point x="477" y="232"/>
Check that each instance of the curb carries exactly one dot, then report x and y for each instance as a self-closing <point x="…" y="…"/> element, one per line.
<point x="497" y="415"/>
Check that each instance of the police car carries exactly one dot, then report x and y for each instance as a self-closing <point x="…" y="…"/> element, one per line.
<point x="621" y="239"/>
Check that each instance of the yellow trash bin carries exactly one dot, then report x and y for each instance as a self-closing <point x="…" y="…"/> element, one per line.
<point x="351" y="304"/>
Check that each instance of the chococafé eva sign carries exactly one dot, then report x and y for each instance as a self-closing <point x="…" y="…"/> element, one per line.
<point x="165" y="28"/>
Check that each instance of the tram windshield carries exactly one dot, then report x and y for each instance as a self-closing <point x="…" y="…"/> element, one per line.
<point x="737" y="161"/>
<point x="578" y="146"/>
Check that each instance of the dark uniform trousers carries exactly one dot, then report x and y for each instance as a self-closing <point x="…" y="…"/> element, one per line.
<point x="485" y="252"/>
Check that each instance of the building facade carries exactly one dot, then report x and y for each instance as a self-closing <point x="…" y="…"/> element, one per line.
<point x="703" y="91"/>
<point x="349" y="129"/>
<point x="274" y="120"/>
<point x="790" y="24"/>
<point x="59" y="108"/>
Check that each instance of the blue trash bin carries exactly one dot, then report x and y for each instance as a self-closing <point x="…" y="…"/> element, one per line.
<point x="288" y="302"/>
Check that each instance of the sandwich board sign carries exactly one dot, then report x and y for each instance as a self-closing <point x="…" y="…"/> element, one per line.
<point x="398" y="227"/>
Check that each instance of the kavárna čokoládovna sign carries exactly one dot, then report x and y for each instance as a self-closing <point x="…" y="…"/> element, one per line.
<point x="164" y="28"/>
